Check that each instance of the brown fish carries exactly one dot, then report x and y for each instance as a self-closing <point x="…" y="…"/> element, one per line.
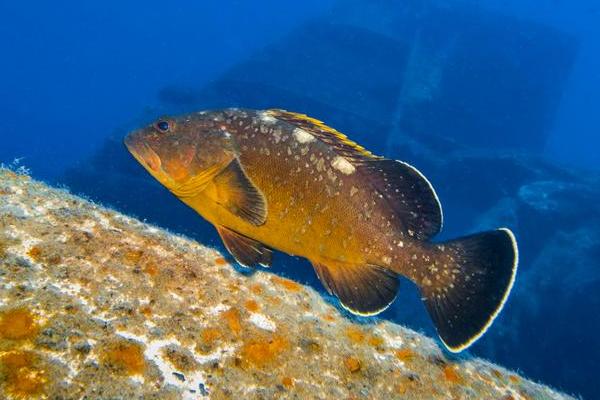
<point x="279" y="180"/>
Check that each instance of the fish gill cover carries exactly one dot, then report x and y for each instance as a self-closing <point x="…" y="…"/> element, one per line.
<point x="493" y="102"/>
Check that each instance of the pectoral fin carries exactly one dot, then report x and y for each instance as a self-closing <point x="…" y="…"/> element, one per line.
<point x="236" y="192"/>
<point x="195" y="185"/>
<point x="362" y="289"/>
<point x="247" y="252"/>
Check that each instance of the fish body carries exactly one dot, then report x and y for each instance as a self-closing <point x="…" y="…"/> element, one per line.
<point x="274" y="179"/>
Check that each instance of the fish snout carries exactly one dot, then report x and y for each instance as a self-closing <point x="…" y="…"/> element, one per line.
<point x="142" y="152"/>
<point x="129" y="141"/>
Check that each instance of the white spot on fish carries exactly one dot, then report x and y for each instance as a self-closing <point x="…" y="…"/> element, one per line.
<point x="302" y="136"/>
<point x="343" y="165"/>
<point x="266" y="117"/>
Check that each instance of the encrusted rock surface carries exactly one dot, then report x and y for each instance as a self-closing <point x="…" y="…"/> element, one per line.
<point x="97" y="305"/>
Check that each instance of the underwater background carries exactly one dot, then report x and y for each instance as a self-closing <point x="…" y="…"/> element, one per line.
<point x="496" y="102"/>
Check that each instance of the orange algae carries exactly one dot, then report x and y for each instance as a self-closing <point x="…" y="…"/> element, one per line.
<point x="21" y="376"/>
<point x="232" y="317"/>
<point x="356" y="335"/>
<point x="220" y="261"/>
<point x="251" y="306"/>
<point x="233" y="287"/>
<point x="18" y="324"/>
<point x="209" y="335"/>
<point x="451" y="375"/>
<point x="352" y="363"/>
<point x="261" y="352"/>
<point x="329" y="317"/>
<point x="256" y="289"/>
<point x="126" y="357"/>
<point x="208" y="338"/>
<point x="146" y="310"/>
<point x="375" y="341"/>
<point x="35" y="253"/>
<point x="514" y="379"/>
<point x="133" y="256"/>
<point x="286" y="283"/>
<point x="287" y="382"/>
<point x="151" y="269"/>
<point x="405" y="354"/>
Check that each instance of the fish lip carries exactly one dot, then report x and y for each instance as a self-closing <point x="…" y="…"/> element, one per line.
<point x="129" y="143"/>
<point x="132" y="144"/>
<point x="142" y="152"/>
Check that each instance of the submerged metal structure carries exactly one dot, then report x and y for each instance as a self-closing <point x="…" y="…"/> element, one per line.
<point x="422" y="69"/>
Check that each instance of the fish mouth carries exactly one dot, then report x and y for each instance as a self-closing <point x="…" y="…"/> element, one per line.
<point x="143" y="153"/>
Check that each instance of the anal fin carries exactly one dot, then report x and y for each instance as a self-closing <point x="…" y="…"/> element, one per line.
<point x="247" y="252"/>
<point x="362" y="289"/>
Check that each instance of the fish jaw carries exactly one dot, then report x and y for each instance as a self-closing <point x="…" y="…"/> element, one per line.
<point x="147" y="158"/>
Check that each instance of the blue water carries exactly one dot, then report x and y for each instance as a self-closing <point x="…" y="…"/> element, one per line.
<point x="495" y="101"/>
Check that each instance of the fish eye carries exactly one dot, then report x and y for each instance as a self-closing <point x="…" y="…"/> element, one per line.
<point x="162" y="126"/>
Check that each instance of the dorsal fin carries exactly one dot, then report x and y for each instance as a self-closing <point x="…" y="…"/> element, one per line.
<point x="412" y="199"/>
<point x="344" y="146"/>
<point x="416" y="208"/>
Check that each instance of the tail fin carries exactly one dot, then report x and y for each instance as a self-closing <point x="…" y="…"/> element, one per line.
<point x="468" y="283"/>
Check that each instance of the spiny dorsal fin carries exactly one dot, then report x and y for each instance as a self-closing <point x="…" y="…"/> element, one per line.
<point x="414" y="204"/>
<point x="247" y="252"/>
<point x="363" y="290"/>
<point x="344" y="146"/>
<point x="238" y="194"/>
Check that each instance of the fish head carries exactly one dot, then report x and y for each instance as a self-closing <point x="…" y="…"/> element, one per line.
<point x="180" y="150"/>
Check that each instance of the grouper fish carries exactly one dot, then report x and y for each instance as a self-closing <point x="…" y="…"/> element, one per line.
<point x="280" y="180"/>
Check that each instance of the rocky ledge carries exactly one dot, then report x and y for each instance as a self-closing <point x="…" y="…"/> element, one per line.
<point x="97" y="305"/>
